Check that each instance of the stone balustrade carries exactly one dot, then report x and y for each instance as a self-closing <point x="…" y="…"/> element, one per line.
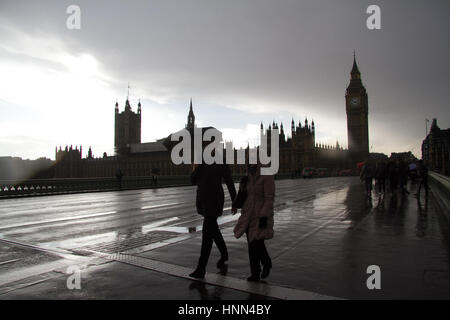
<point x="34" y="187"/>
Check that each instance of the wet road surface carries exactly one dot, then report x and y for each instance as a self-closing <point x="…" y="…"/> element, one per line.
<point x="326" y="235"/>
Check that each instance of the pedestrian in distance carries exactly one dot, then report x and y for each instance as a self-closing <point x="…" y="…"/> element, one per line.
<point x="380" y="176"/>
<point x="256" y="221"/>
<point x="393" y="176"/>
<point x="367" y="175"/>
<point x="119" y="176"/>
<point x="423" y="173"/>
<point x="209" y="203"/>
<point x="403" y="172"/>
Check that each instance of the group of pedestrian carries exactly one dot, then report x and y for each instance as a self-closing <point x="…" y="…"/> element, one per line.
<point x="256" y="197"/>
<point x="396" y="173"/>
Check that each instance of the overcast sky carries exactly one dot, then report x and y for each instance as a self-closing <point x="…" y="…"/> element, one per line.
<point x="242" y="62"/>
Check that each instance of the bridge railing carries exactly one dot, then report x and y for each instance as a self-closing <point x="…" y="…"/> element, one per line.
<point x="33" y="187"/>
<point x="440" y="186"/>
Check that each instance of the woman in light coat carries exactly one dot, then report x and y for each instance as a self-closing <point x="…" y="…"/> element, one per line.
<point x="256" y="220"/>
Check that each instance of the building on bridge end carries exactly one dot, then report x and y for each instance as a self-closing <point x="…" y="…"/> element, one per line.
<point x="436" y="149"/>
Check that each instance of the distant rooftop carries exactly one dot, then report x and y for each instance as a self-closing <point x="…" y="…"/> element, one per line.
<point x="147" y="147"/>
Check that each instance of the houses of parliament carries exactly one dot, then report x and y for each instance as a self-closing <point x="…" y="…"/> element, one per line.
<point x="298" y="146"/>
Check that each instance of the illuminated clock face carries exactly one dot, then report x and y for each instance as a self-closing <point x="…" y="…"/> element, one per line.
<point x="354" y="101"/>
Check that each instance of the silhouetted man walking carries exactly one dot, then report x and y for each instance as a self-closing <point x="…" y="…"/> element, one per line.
<point x="380" y="176"/>
<point x="367" y="174"/>
<point x="423" y="171"/>
<point x="393" y="176"/>
<point x="403" y="171"/>
<point x="209" y="202"/>
<point x="119" y="176"/>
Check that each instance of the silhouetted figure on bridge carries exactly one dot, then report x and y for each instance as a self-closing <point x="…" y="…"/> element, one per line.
<point x="367" y="174"/>
<point x="423" y="172"/>
<point x="403" y="172"/>
<point x="256" y="220"/>
<point x="209" y="202"/>
<point x="393" y="176"/>
<point x="119" y="176"/>
<point x="381" y="175"/>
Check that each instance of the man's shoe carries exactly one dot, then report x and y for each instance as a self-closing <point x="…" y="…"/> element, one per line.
<point x="265" y="272"/>
<point x="224" y="270"/>
<point x="221" y="262"/>
<point x="198" y="274"/>
<point x="253" y="278"/>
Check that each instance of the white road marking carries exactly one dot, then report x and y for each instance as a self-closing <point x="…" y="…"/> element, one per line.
<point x="148" y="227"/>
<point x="87" y="216"/>
<point x="34" y="223"/>
<point x="160" y="205"/>
<point x="9" y="261"/>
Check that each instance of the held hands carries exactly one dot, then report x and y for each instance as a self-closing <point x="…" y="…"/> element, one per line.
<point x="233" y="211"/>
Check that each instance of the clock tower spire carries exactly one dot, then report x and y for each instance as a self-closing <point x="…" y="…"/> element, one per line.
<point x="357" y="116"/>
<point x="191" y="118"/>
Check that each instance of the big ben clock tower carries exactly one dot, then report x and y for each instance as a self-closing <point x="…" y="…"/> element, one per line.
<point x="357" y="116"/>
